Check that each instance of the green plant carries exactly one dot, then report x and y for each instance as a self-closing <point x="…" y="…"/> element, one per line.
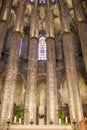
<point x="19" y="112"/>
<point x="61" y="115"/>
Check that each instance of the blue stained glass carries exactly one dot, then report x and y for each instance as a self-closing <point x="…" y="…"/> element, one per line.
<point x="53" y="1"/>
<point x="42" y="48"/>
<point x="42" y="1"/>
<point x="20" y="50"/>
<point x="32" y="1"/>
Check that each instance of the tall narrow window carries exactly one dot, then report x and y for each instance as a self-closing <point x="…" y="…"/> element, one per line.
<point x="42" y="1"/>
<point x="42" y="48"/>
<point x="53" y="1"/>
<point x="20" y="50"/>
<point x="31" y="1"/>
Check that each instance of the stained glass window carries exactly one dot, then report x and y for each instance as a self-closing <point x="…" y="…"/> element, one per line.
<point x="42" y="1"/>
<point x="42" y="48"/>
<point x="32" y="1"/>
<point x="20" y="50"/>
<point x="53" y="1"/>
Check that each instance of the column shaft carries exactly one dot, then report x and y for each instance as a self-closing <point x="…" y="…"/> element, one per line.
<point x="32" y="25"/>
<point x="6" y="10"/>
<point x="4" y="22"/>
<point x="52" y="95"/>
<point x="3" y="30"/>
<point x="75" y="105"/>
<point x="82" y="28"/>
<point x="31" y="90"/>
<point x="18" y="26"/>
<point x="11" y="74"/>
<point x="52" y="99"/>
<point x="77" y="4"/>
<point x="7" y="103"/>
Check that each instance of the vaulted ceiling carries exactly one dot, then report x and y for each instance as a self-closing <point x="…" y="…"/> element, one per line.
<point x="42" y="13"/>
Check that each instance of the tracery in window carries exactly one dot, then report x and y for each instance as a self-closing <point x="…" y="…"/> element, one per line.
<point x="42" y="1"/>
<point x="21" y="44"/>
<point x="42" y="48"/>
<point x="32" y="1"/>
<point x="53" y="1"/>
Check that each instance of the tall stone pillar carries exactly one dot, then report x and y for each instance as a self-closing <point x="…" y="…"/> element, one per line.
<point x="31" y="90"/>
<point x="12" y="67"/>
<point x="82" y="27"/>
<point x="75" y="105"/>
<point x="52" y="97"/>
<point x="52" y="101"/>
<point x="4" y="21"/>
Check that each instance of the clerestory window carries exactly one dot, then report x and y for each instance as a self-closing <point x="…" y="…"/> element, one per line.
<point x="42" y="1"/>
<point x="42" y="50"/>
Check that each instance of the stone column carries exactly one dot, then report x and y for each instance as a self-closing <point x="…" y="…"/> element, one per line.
<point x="52" y="97"/>
<point x="82" y="27"/>
<point x="52" y="101"/>
<point x="31" y="90"/>
<point x="59" y="58"/>
<point x="75" y="105"/>
<point x="11" y="73"/>
<point x="4" y="21"/>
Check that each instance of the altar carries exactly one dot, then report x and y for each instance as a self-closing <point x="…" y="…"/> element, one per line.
<point x="41" y="127"/>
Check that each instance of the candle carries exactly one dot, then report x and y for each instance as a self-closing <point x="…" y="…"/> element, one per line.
<point x="66" y="120"/>
<point x="15" y="119"/>
<point x="60" y="121"/>
<point x="20" y="120"/>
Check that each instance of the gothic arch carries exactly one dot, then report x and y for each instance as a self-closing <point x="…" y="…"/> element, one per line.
<point x="19" y="90"/>
<point x="41" y="97"/>
<point x="82" y="89"/>
<point x="41" y="87"/>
